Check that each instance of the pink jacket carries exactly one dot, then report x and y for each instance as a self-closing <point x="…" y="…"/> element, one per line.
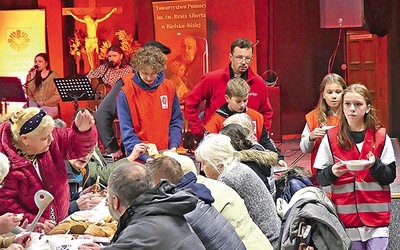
<point x="212" y="87"/>
<point x="22" y="182"/>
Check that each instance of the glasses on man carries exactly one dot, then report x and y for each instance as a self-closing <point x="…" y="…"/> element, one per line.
<point x="243" y="58"/>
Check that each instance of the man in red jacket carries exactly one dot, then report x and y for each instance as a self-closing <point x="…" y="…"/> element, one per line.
<point x="212" y="86"/>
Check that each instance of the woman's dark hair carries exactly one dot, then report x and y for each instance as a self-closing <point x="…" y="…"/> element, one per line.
<point x="38" y="77"/>
<point x="237" y="135"/>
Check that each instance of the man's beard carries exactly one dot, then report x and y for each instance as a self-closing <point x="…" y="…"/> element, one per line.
<point x="113" y="64"/>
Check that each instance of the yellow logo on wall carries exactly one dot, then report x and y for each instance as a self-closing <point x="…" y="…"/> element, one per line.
<point x="19" y="40"/>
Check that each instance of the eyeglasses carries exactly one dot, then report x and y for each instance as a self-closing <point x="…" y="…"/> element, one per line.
<point x="241" y="58"/>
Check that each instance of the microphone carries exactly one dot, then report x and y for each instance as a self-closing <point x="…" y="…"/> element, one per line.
<point x="35" y="67"/>
<point x="111" y="64"/>
<point x="205" y="54"/>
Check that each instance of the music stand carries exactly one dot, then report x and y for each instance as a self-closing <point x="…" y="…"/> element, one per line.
<point x="74" y="89"/>
<point x="10" y="91"/>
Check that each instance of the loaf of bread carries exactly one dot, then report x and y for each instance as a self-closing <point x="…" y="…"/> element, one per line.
<point x="106" y="227"/>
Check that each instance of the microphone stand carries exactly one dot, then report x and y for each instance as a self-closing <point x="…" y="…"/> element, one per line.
<point x="101" y="77"/>
<point x="28" y="89"/>
<point x="98" y="95"/>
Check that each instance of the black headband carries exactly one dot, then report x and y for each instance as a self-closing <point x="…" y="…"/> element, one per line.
<point x="32" y="123"/>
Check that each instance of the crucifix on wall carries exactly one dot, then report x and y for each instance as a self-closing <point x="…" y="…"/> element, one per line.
<point x="91" y="41"/>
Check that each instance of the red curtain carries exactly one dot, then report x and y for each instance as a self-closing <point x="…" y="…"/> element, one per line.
<point x="378" y="16"/>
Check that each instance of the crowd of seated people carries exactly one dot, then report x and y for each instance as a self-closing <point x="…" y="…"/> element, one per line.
<point x="234" y="200"/>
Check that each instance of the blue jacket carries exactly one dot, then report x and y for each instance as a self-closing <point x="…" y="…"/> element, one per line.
<point x="293" y="186"/>
<point x="175" y="126"/>
<point x="210" y="226"/>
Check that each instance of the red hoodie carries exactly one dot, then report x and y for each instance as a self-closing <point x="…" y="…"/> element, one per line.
<point x="212" y="88"/>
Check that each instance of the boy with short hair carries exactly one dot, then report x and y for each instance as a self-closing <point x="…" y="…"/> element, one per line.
<point x="236" y="96"/>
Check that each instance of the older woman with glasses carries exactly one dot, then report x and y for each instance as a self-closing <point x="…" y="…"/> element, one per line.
<point x="37" y="151"/>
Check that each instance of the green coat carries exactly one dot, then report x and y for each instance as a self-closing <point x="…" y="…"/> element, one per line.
<point x="96" y="166"/>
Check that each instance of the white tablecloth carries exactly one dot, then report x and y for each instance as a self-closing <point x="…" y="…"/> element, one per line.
<point x="97" y="213"/>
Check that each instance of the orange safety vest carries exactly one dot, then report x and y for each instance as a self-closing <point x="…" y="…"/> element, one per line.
<point x="359" y="199"/>
<point x="214" y="125"/>
<point x="312" y="122"/>
<point x="150" y="110"/>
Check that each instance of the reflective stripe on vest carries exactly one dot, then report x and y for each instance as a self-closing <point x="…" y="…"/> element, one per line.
<point x="365" y="186"/>
<point x="368" y="208"/>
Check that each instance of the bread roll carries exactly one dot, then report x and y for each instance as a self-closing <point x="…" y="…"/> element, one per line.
<point x="78" y="229"/>
<point x="75" y="217"/>
<point x="95" y="230"/>
<point x="151" y="149"/>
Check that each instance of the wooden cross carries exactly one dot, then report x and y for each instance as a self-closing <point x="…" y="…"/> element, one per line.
<point x="91" y="10"/>
<point x="91" y="43"/>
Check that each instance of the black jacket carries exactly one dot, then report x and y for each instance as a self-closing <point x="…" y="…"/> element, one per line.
<point x="156" y="220"/>
<point x="211" y="227"/>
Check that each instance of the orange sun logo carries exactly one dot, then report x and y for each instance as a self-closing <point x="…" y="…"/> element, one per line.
<point x="19" y="40"/>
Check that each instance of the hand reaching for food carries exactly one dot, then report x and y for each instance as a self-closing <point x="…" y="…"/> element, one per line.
<point x="88" y="201"/>
<point x="92" y="189"/>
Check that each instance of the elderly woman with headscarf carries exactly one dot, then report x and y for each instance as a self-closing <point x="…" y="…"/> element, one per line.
<point x="37" y="150"/>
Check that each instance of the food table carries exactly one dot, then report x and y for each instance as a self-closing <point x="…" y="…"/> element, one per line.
<point x="74" y="230"/>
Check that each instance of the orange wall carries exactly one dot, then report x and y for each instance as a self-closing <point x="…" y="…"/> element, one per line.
<point x="226" y="22"/>
<point x="54" y="34"/>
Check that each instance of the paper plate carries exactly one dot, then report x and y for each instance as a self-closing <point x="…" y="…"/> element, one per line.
<point x="356" y="165"/>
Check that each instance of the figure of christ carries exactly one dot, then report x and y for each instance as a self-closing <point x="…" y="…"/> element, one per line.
<point x="91" y="41"/>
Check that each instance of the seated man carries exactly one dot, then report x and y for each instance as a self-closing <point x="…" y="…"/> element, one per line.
<point x="150" y="217"/>
<point x="212" y="228"/>
<point x="83" y="172"/>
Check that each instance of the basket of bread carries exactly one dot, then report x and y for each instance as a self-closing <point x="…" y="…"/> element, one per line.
<point x="79" y="225"/>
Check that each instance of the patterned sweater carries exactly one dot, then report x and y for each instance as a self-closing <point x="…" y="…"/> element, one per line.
<point x="257" y="199"/>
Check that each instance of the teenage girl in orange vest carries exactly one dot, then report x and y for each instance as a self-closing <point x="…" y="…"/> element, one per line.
<point x="323" y="116"/>
<point x="362" y="198"/>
